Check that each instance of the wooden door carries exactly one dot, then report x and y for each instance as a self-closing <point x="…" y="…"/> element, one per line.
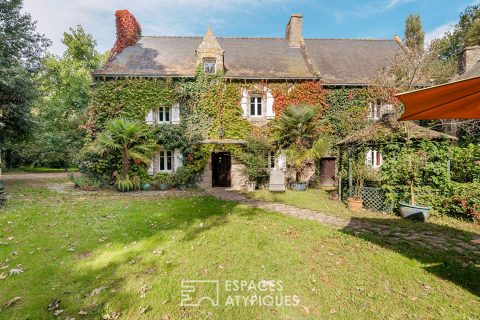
<point x="327" y="171"/>
<point x="221" y="169"/>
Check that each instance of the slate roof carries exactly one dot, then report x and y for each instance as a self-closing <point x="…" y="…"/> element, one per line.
<point x="336" y="61"/>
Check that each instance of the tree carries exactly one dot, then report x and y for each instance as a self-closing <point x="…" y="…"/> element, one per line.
<point x="298" y="131"/>
<point x="59" y="111"/>
<point x="128" y="138"/>
<point x="414" y="34"/>
<point x="472" y="37"/>
<point x="21" y="53"/>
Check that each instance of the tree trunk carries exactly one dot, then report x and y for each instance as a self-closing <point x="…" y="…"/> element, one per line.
<point x="412" y="194"/>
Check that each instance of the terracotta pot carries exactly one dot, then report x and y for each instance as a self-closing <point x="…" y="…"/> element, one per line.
<point x="355" y="204"/>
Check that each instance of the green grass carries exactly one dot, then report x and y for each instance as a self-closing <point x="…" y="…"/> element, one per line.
<point x="71" y="244"/>
<point x="39" y="169"/>
<point x="318" y="200"/>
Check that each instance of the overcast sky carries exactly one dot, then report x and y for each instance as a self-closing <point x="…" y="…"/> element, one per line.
<point x="261" y="18"/>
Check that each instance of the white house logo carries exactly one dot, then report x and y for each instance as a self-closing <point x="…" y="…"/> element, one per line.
<point x="236" y="293"/>
<point x="194" y="292"/>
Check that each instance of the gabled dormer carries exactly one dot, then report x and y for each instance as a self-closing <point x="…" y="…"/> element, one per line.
<point x="210" y="54"/>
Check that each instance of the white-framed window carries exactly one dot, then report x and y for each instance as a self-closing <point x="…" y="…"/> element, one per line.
<point x="165" y="161"/>
<point x="255" y="106"/>
<point x="374" y="159"/>
<point x="209" y="66"/>
<point x="163" y="115"/>
<point x="375" y="111"/>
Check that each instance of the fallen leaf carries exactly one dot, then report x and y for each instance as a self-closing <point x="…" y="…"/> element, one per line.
<point x="165" y="317"/>
<point x="56" y="313"/>
<point x="97" y="291"/>
<point x="12" y="301"/>
<point x="2" y="275"/>
<point x="144" y="289"/>
<point x="54" y="304"/>
<point x="82" y="313"/>
<point x="112" y="316"/>
<point x="306" y="310"/>
<point x="143" y="310"/>
<point x="15" y="271"/>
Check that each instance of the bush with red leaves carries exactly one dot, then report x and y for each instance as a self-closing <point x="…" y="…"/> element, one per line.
<point x="128" y="31"/>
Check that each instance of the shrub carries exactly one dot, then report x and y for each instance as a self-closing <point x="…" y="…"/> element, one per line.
<point x="85" y="183"/>
<point x="183" y="177"/>
<point x="464" y="202"/>
<point x="162" y="178"/>
<point x="126" y="184"/>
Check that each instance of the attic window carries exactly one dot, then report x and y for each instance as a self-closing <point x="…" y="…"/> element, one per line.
<point x="209" y="66"/>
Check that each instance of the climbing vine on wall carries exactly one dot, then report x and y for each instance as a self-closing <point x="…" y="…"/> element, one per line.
<point x="309" y="93"/>
<point x="128" y="31"/>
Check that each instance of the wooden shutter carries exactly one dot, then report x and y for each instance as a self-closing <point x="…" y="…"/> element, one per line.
<point x="270" y="112"/>
<point x="245" y="103"/>
<point x="149" y="117"/>
<point x="177" y="159"/>
<point x="176" y="113"/>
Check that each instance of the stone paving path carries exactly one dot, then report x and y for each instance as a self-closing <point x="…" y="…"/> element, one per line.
<point x="460" y="243"/>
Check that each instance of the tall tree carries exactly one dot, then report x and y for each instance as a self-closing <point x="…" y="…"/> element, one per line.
<point x="21" y="53"/>
<point x="414" y="34"/>
<point x="60" y="110"/>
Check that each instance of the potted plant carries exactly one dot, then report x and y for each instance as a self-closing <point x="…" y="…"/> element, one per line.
<point x="163" y="180"/>
<point x="410" y="166"/>
<point x="361" y="172"/>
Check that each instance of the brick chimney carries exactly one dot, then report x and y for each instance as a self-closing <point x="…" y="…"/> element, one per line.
<point x="467" y="58"/>
<point x="293" y="33"/>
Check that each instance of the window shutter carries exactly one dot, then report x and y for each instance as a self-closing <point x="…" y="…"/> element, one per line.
<point x="157" y="161"/>
<point x="245" y="103"/>
<point x="151" y="168"/>
<point x="149" y="117"/>
<point x="281" y="161"/>
<point x="177" y="159"/>
<point x="270" y="112"/>
<point x="176" y="113"/>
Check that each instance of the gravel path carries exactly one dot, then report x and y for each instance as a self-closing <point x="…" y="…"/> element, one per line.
<point x="35" y="176"/>
<point x="459" y="243"/>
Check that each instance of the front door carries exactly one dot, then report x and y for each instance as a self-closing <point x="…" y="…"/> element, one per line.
<point x="221" y="169"/>
<point x="327" y="171"/>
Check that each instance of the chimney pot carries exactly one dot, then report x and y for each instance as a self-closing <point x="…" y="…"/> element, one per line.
<point x="293" y="32"/>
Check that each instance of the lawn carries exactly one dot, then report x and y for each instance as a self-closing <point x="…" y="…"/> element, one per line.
<point x="105" y="254"/>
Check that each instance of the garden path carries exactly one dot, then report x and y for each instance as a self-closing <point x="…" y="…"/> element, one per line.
<point x="461" y="243"/>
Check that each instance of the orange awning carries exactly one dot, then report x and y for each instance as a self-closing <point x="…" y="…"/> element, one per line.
<point x="454" y="100"/>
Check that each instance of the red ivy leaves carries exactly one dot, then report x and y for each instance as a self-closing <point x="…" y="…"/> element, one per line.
<point x="306" y="93"/>
<point x="128" y="31"/>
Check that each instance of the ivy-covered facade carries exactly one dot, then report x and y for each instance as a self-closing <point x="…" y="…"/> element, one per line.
<point x="204" y="97"/>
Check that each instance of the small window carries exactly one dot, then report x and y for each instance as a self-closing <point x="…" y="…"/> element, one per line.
<point x="165" y="160"/>
<point x="164" y="115"/>
<point x="271" y="160"/>
<point x="374" y="159"/>
<point x="256" y="106"/>
<point x="209" y="66"/>
<point x="375" y="111"/>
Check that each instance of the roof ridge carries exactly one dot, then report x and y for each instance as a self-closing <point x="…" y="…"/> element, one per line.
<point x="353" y="39"/>
<point x="273" y="38"/>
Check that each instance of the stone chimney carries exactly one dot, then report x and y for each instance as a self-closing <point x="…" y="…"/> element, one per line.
<point x="467" y="58"/>
<point x="293" y="33"/>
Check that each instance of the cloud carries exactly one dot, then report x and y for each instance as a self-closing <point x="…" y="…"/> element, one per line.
<point x="439" y="31"/>
<point x="157" y="17"/>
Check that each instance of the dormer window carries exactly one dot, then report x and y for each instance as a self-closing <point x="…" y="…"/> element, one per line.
<point x="209" y="66"/>
<point x="256" y="106"/>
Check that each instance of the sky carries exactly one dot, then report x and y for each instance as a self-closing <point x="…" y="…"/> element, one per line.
<point x="244" y="18"/>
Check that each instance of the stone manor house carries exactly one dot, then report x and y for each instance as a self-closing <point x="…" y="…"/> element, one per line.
<point x="336" y="62"/>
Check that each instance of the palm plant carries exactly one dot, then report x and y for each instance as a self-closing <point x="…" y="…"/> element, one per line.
<point x="298" y="131"/>
<point x="128" y="138"/>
